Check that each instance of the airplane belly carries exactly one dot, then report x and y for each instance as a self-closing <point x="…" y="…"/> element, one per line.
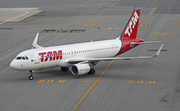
<point x="43" y="65"/>
<point x="64" y="63"/>
<point x="49" y="64"/>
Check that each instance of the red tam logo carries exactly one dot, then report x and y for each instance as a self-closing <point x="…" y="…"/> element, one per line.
<point x="131" y="24"/>
<point x="51" y="55"/>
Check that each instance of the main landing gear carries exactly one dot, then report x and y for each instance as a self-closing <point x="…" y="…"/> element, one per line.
<point x="31" y="75"/>
<point x="92" y="71"/>
<point x="65" y="69"/>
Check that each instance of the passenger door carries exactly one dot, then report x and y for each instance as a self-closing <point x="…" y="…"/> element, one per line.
<point x="37" y="58"/>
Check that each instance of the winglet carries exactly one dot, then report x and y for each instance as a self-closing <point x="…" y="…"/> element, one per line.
<point x="36" y="38"/>
<point x="158" y="52"/>
<point x="34" y="44"/>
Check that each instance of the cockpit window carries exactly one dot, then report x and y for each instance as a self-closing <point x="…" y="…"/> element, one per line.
<point x="22" y="58"/>
<point x="27" y="58"/>
<point x="18" y="58"/>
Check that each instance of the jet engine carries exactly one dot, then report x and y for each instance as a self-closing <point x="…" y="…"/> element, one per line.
<point x="80" y="69"/>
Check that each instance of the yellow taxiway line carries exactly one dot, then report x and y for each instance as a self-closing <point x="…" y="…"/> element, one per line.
<point x="107" y="67"/>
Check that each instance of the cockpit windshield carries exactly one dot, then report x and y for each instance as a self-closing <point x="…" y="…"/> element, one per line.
<point x="18" y="58"/>
<point x="22" y="58"/>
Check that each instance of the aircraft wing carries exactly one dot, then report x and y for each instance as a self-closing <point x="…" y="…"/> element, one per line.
<point x="86" y="60"/>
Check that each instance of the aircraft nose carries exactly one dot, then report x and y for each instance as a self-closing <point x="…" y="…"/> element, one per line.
<point x="13" y="65"/>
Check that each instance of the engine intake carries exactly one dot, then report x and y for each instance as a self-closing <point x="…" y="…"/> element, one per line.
<point x="80" y="69"/>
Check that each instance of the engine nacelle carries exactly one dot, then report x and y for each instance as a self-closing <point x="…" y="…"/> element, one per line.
<point x="80" y="69"/>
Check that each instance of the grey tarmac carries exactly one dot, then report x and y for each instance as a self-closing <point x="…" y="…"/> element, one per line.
<point x="135" y="85"/>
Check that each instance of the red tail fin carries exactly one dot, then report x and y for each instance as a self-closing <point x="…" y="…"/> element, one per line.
<point x="130" y="31"/>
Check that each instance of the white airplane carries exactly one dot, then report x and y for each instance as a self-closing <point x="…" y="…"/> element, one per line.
<point x="81" y="57"/>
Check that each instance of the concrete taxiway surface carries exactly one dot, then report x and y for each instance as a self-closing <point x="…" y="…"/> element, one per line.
<point x="136" y="85"/>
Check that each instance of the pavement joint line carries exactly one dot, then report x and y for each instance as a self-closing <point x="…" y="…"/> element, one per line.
<point x="79" y="102"/>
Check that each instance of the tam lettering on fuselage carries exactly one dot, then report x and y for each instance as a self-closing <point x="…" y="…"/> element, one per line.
<point x="131" y="24"/>
<point x="50" y="55"/>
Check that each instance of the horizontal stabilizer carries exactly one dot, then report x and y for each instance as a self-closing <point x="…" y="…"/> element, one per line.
<point x="34" y="44"/>
<point x="138" y="43"/>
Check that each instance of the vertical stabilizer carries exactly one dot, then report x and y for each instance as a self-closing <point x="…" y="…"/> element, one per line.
<point x="130" y="31"/>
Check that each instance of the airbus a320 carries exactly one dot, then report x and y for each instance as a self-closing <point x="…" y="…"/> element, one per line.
<point x="81" y="57"/>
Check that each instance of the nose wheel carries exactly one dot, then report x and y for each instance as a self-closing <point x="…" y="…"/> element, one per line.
<point x="31" y="75"/>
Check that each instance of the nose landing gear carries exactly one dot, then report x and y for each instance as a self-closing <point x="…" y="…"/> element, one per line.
<point x="31" y="75"/>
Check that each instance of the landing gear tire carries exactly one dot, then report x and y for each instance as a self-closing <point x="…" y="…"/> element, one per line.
<point x="92" y="71"/>
<point x="65" y="69"/>
<point x="31" y="77"/>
